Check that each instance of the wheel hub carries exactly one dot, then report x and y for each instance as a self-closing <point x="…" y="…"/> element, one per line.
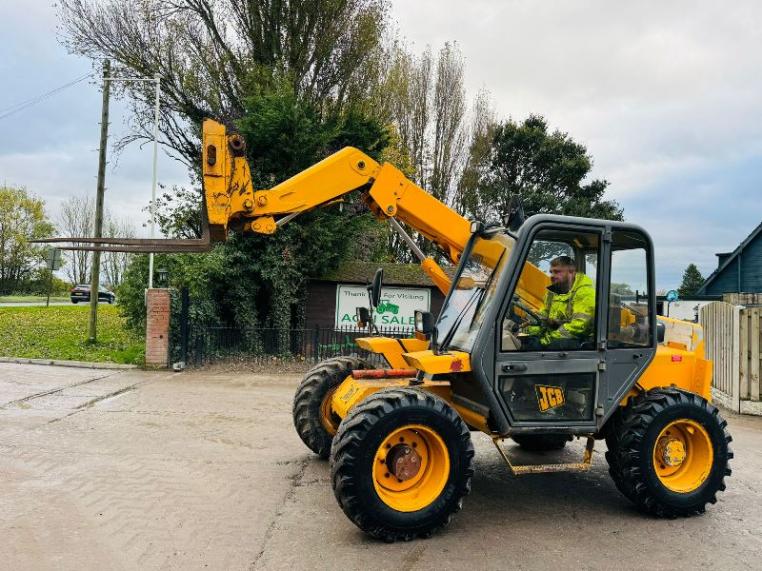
<point x="672" y="451"/>
<point x="411" y="467"/>
<point x="683" y="455"/>
<point x="403" y="462"/>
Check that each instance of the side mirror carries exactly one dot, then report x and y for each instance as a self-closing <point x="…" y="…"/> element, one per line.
<point x="375" y="288"/>
<point x="661" y="331"/>
<point x="363" y="316"/>
<point x="424" y="322"/>
<point x="515" y="216"/>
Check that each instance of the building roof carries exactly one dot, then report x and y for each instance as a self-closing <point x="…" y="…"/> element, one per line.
<point x="729" y="260"/>
<point x="394" y="274"/>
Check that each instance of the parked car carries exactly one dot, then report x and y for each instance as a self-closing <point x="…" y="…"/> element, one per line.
<point x="81" y="292"/>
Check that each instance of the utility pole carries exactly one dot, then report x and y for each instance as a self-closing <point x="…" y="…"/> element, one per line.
<point x="157" y="78"/>
<point x="95" y="277"/>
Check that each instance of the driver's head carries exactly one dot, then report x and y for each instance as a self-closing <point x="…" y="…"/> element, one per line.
<point x="563" y="270"/>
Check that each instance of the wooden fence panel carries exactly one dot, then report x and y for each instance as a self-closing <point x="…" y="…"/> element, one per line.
<point x="743" y="365"/>
<point x="733" y="340"/>
<point x="754" y="331"/>
<point x="720" y="321"/>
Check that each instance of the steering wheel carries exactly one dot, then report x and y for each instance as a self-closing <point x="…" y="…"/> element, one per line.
<point x="537" y="319"/>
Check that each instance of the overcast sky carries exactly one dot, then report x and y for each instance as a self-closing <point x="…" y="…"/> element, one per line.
<point x="665" y="95"/>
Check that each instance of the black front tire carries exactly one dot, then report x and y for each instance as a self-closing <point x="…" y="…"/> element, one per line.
<point x="541" y="442"/>
<point x="635" y="473"/>
<point x="317" y="385"/>
<point x="353" y="455"/>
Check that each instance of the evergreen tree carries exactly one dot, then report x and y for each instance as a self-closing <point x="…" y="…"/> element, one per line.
<point x="548" y="170"/>
<point x="692" y="281"/>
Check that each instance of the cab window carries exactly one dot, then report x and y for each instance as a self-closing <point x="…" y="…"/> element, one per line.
<point x="554" y="305"/>
<point x="628" y="322"/>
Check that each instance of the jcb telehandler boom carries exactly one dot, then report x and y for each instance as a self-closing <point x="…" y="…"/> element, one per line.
<point x="399" y="439"/>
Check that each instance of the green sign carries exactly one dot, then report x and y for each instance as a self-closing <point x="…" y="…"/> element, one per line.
<point x="396" y="309"/>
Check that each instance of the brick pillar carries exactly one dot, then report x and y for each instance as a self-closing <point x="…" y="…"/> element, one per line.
<point x="157" y="327"/>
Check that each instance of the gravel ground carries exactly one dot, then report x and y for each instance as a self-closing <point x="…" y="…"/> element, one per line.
<point x="109" y="469"/>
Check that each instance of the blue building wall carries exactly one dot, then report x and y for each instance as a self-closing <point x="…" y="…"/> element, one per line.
<point x="727" y="281"/>
<point x="751" y="266"/>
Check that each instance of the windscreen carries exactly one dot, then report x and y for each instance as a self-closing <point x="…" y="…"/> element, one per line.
<point x="473" y="291"/>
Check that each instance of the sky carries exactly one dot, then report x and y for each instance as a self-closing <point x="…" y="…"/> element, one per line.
<point x="665" y="96"/>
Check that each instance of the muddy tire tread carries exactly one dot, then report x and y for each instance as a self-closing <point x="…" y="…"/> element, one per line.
<point x="313" y="387"/>
<point x="627" y="465"/>
<point x="349" y="443"/>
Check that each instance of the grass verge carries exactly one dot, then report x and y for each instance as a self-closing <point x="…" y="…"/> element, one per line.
<point x="61" y="333"/>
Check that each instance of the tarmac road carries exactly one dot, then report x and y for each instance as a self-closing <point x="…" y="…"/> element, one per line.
<point x="34" y="304"/>
<point x="104" y="469"/>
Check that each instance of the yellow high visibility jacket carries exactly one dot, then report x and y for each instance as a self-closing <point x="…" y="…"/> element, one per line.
<point x="570" y="314"/>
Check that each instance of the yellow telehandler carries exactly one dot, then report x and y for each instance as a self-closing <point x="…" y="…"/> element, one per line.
<point x="399" y="438"/>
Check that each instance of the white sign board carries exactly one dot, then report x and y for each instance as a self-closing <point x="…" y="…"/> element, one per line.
<point x="396" y="309"/>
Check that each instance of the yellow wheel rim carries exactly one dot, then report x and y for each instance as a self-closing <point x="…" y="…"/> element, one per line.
<point x="411" y="468"/>
<point x="683" y="456"/>
<point x="327" y="416"/>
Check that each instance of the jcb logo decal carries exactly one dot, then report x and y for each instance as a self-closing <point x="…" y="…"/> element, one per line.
<point x="349" y="394"/>
<point x="549" y="397"/>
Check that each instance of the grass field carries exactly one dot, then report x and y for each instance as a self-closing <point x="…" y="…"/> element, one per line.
<point x="61" y="333"/>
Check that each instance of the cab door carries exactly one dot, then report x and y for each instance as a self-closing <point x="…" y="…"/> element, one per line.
<point x="550" y="356"/>
<point x="630" y="328"/>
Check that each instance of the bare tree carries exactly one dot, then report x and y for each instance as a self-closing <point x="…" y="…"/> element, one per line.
<point x="481" y="132"/>
<point x="212" y="54"/>
<point x="425" y="101"/>
<point x="114" y="264"/>
<point x="449" y="142"/>
<point x="76" y="219"/>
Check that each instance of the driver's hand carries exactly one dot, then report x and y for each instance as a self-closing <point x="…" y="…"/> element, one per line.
<point x="524" y="325"/>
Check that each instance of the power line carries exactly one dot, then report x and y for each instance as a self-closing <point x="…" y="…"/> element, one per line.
<point x="13" y="109"/>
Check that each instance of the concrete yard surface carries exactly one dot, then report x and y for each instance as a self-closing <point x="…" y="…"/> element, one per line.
<point x="127" y="469"/>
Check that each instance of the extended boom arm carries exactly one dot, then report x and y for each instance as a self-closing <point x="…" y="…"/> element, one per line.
<point x="232" y="201"/>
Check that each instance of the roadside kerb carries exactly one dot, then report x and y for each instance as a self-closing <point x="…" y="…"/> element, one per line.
<point x="78" y="364"/>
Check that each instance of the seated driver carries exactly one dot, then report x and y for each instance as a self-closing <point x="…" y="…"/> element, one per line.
<point x="567" y="312"/>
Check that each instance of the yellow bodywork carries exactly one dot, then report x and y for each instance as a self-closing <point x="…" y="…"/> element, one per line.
<point x="353" y="391"/>
<point x="433" y="364"/>
<point x="392" y="349"/>
<point x="688" y="370"/>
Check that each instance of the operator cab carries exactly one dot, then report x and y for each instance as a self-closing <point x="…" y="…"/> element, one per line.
<point x="552" y="355"/>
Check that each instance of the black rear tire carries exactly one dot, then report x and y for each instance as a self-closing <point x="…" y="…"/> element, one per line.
<point x="541" y="442"/>
<point x="613" y="432"/>
<point x="353" y="457"/>
<point x="317" y="385"/>
<point x="643" y="420"/>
